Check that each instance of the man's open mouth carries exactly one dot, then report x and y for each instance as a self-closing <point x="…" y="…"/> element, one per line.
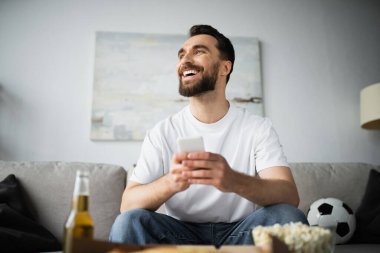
<point x="190" y="72"/>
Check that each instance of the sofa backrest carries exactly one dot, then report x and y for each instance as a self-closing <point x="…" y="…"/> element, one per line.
<point x="49" y="187"/>
<point x="345" y="181"/>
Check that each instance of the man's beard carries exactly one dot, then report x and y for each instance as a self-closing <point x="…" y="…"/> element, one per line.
<point x="206" y="83"/>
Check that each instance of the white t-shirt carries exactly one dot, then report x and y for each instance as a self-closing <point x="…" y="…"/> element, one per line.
<point x="248" y="143"/>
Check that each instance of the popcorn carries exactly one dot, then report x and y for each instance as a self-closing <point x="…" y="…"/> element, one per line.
<point x="299" y="237"/>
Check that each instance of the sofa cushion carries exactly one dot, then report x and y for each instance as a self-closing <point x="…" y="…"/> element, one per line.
<point x="336" y="180"/>
<point x="368" y="213"/>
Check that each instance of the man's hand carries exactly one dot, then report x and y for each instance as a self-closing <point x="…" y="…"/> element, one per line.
<point x="273" y="185"/>
<point x="152" y="195"/>
<point x="210" y="169"/>
<point x="177" y="180"/>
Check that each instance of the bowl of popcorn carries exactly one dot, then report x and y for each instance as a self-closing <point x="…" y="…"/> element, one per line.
<point x="297" y="237"/>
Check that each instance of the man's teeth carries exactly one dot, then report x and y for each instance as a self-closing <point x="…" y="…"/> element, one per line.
<point x="189" y="72"/>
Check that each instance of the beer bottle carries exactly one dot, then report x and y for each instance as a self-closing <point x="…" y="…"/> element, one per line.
<point x="79" y="223"/>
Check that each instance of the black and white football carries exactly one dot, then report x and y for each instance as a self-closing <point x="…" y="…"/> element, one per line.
<point x="334" y="214"/>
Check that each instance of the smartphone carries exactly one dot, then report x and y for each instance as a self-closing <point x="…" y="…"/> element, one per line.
<point x="191" y="144"/>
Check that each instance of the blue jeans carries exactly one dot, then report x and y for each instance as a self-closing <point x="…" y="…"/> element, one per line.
<point x="140" y="226"/>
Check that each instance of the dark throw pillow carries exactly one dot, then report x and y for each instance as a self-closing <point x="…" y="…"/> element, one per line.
<point x="368" y="213"/>
<point x="19" y="232"/>
<point x="11" y="194"/>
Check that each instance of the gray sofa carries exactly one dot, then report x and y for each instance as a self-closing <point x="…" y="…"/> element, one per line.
<point x="49" y="185"/>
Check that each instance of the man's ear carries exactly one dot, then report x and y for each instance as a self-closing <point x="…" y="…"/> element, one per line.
<point x="225" y="68"/>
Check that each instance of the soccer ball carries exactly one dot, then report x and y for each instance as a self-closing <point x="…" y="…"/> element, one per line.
<point x="334" y="214"/>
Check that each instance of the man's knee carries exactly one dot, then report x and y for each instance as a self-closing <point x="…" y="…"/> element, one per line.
<point x="128" y="221"/>
<point x="285" y="213"/>
<point x="138" y="214"/>
<point x="276" y="214"/>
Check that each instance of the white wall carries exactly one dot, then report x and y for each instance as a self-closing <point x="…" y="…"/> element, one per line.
<point x="317" y="56"/>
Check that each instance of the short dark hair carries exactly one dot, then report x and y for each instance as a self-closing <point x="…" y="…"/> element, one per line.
<point x="224" y="45"/>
